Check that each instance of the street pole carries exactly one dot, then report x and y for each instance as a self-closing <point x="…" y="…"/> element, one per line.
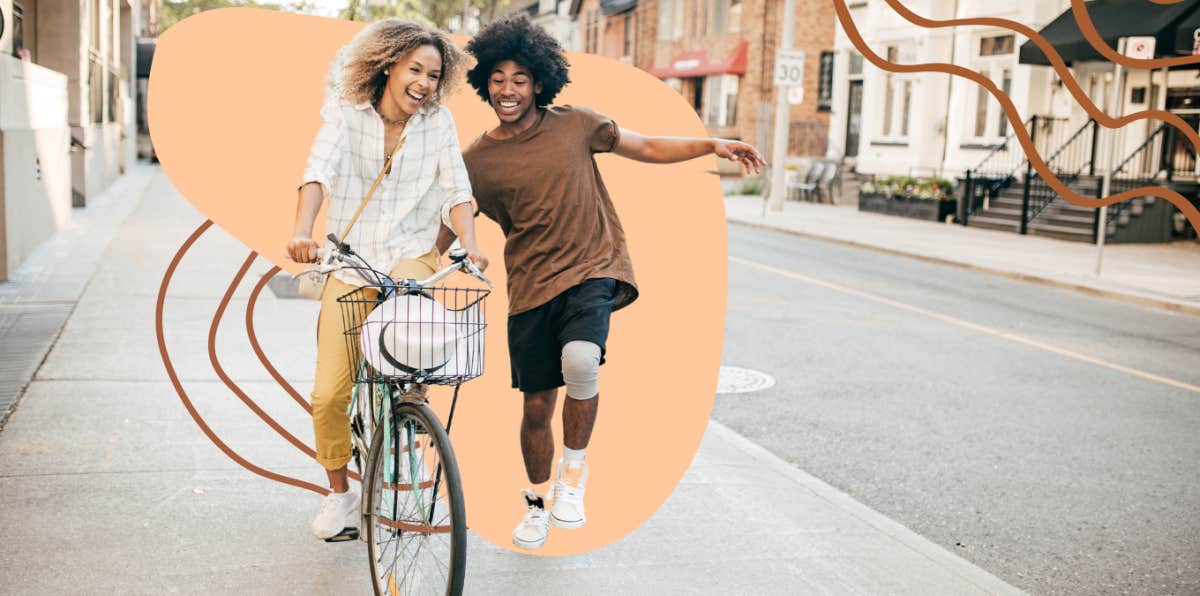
<point x="1118" y="94"/>
<point x="780" y="145"/>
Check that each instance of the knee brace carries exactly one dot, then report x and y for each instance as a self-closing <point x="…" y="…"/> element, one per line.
<point x="581" y="369"/>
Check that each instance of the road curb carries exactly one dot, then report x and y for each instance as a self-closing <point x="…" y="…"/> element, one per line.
<point x="1127" y="297"/>
<point x="947" y="560"/>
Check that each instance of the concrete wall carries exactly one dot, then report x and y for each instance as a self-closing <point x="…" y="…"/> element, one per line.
<point x="45" y="105"/>
<point x="35" y="198"/>
<point x="97" y="166"/>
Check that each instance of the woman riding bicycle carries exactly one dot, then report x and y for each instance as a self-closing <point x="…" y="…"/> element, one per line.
<point x="388" y="85"/>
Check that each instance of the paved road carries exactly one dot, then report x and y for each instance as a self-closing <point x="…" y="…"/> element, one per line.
<point x="1050" y="437"/>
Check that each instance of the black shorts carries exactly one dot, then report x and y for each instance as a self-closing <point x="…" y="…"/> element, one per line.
<point x="536" y="337"/>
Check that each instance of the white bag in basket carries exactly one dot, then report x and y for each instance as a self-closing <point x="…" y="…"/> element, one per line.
<point x="409" y="335"/>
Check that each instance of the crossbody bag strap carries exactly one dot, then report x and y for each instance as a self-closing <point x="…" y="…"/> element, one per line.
<point x="378" y="179"/>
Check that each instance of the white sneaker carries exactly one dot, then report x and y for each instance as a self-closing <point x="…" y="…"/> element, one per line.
<point x="531" y="532"/>
<point x="338" y="512"/>
<point x="567" y="511"/>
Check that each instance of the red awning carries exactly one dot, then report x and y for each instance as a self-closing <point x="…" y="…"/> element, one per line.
<point x="697" y="64"/>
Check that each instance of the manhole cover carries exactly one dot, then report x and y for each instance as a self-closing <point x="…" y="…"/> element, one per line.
<point x="742" y="380"/>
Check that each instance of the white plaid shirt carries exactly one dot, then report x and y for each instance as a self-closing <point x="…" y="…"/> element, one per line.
<point x="427" y="179"/>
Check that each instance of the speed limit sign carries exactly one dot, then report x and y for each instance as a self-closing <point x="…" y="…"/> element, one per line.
<point x="789" y="68"/>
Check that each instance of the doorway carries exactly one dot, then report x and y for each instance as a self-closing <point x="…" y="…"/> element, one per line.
<point x="854" y="118"/>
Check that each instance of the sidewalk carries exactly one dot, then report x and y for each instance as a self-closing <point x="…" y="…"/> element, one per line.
<point x="1165" y="276"/>
<point x="108" y="486"/>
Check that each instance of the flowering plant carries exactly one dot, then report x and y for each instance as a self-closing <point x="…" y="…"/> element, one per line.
<point x="907" y="187"/>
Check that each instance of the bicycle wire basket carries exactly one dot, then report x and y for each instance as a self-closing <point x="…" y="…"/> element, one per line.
<point x="432" y="336"/>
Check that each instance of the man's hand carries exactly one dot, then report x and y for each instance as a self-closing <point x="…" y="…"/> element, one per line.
<point x="302" y="249"/>
<point x="741" y="152"/>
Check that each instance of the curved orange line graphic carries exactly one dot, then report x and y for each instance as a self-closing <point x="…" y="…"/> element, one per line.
<point x="216" y="363"/>
<point x="183" y="396"/>
<point x="1079" y="9"/>
<point x="1060" y="68"/>
<point x="1022" y="134"/>
<point x="258" y="351"/>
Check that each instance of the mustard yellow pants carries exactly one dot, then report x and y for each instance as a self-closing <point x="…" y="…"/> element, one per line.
<point x="334" y="377"/>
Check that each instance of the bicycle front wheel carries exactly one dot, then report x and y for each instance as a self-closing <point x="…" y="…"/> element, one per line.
<point x="415" y="517"/>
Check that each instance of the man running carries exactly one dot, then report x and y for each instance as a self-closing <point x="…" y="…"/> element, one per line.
<point x="568" y="266"/>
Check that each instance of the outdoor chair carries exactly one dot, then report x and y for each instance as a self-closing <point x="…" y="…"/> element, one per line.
<point x="825" y="184"/>
<point x="810" y="183"/>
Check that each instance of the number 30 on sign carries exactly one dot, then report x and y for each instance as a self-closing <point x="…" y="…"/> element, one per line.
<point x="789" y="68"/>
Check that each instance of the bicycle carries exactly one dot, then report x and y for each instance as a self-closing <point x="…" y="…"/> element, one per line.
<point x="405" y="335"/>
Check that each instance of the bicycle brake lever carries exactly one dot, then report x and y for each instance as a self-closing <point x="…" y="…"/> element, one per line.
<point x="474" y="271"/>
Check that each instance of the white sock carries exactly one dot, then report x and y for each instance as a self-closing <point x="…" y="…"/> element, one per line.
<point x="572" y="457"/>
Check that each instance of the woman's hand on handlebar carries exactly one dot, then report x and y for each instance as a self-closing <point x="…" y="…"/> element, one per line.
<point x="302" y="249"/>
<point x="478" y="258"/>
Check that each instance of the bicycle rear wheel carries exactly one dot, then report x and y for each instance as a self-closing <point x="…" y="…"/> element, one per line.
<point x="415" y="519"/>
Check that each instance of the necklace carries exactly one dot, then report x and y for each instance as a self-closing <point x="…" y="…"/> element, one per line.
<point x="386" y="120"/>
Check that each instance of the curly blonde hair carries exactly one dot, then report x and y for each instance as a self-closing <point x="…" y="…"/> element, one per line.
<point x="357" y="73"/>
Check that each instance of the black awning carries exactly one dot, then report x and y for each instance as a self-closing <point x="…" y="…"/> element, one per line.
<point x="1185" y="34"/>
<point x="608" y="7"/>
<point x="145" y="56"/>
<point x="1113" y="19"/>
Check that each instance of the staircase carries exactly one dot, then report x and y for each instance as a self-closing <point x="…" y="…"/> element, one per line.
<point x="1000" y="196"/>
<point x="1058" y="219"/>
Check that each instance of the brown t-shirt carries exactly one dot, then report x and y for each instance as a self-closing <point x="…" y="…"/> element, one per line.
<point x="543" y="187"/>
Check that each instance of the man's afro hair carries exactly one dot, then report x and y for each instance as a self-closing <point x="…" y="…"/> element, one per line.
<point x="518" y="39"/>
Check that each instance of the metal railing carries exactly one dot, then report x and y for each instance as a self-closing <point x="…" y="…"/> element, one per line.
<point x="1073" y="158"/>
<point x="1144" y="166"/>
<point x="1001" y="167"/>
<point x="1071" y="155"/>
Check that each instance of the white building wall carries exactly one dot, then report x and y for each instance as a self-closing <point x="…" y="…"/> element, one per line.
<point x="35" y="171"/>
<point x="941" y="137"/>
<point x="44" y="105"/>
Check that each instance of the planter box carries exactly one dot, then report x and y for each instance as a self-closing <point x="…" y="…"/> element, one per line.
<point x="927" y="209"/>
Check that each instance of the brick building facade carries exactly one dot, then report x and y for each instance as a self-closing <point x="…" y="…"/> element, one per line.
<point x="607" y="27"/>
<point x="719" y="54"/>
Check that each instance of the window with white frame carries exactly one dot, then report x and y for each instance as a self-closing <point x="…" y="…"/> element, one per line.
<point x="627" y="45"/>
<point x="665" y="13"/>
<point x="592" y="31"/>
<point x="995" y="59"/>
<point x="670" y="20"/>
<point x="720" y="101"/>
<point x="718" y="15"/>
<point x="897" y="100"/>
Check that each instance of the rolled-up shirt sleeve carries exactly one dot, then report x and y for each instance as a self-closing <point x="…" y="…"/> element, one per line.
<point x="602" y="132"/>
<point x="452" y="172"/>
<point x="329" y="147"/>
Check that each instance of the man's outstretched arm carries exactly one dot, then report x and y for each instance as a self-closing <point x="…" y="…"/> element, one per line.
<point x="674" y="149"/>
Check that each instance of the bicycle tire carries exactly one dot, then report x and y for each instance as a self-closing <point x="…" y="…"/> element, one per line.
<point x="446" y="482"/>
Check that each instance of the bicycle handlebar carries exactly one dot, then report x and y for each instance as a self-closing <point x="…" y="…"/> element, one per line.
<point x="335" y="257"/>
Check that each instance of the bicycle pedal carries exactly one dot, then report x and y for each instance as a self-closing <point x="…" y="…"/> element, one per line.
<point x="346" y="535"/>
